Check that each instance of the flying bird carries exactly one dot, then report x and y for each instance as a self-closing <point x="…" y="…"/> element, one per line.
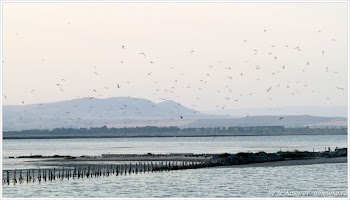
<point x="143" y="54"/>
<point x="268" y="90"/>
<point x="123" y="46"/>
<point x="280" y="118"/>
<point x="192" y="51"/>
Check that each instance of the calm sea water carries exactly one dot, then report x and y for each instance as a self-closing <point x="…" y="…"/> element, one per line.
<point x="209" y="182"/>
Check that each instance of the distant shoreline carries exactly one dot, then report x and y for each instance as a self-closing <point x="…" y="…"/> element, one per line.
<point x="170" y="131"/>
<point x="142" y="136"/>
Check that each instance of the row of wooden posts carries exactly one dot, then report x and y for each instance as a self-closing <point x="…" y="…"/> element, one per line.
<point x="89" y="171"/>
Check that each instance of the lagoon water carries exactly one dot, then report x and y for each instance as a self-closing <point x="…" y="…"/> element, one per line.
<point x="208" y="182"/>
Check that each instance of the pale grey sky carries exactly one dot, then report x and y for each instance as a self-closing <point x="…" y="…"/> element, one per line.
<point x="46" y="42"/>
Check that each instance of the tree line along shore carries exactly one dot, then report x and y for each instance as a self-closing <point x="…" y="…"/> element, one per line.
<point x="171" y="131"/>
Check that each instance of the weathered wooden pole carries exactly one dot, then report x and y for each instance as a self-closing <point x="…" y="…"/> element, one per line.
<point x="62" y="173"/>
<point x="14" y="177"/>
<point x="8" y="177"/>
<point x="39" y="175"/>
<point x="20" y="176"/>
<point x="30" y="177"/>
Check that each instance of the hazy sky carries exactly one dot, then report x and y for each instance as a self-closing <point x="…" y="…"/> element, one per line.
<point x="262" y="54"/>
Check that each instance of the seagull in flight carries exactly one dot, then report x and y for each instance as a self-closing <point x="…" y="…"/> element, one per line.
<point x="123" y="46"/>
<point x="268" y="90"/>
<point x="280" y="118"/>
<point x="143" y="54"/>
<point x="192" y="51"/>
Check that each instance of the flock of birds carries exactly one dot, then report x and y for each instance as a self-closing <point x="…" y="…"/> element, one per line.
<point x="227" y="93"/>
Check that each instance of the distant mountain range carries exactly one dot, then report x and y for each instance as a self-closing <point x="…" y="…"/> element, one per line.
<point x="87" y="112"/>
<point x="290" y="121"/>
<point x="132" y="112"/>
<point x="321" y="111"/>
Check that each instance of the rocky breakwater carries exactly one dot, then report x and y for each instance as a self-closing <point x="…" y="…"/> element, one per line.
<point x="260" y="157"/>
